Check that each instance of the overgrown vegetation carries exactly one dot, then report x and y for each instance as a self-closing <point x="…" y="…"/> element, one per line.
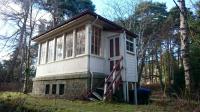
<point x="12" y="101"/>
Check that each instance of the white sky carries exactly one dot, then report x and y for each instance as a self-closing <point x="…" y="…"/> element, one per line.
<point x="7" y="28"/>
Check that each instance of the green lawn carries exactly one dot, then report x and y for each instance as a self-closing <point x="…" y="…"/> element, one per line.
<point x="18" y="102"/>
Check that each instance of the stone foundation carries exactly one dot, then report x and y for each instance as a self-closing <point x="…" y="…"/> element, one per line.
<point x="75" y="85"/>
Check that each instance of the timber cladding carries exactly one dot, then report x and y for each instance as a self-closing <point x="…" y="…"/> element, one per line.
<point x="69" y="87"/>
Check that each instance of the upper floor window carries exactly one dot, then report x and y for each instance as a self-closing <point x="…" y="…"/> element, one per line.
<point x="80" y="41"/>
<point x="50" y="55"/>
<point x="69" y="44"/>
<point x="59" y="48"/>
<point x="43" y="53"/>
<point x="96" y="40"/>
<point x="130" y="44"/>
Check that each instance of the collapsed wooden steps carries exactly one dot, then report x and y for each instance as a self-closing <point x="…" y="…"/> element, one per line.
<point x="97" y="95"/>
<point x="112" y="82"/>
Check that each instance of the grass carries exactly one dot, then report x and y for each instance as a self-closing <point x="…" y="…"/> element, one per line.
<point x="18" y="102"/>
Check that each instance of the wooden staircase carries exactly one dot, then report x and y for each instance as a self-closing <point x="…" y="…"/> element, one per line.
<point x="111" y="83"/>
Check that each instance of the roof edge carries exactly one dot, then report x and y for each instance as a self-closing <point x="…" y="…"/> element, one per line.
<point x="82" y="14"/>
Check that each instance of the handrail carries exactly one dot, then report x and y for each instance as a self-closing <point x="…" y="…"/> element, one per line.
<point x="114" y="80"/>
<point x="114" y="69"/>
<point x="108" y="89"/>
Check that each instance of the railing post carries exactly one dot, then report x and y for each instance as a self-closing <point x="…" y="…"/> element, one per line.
<point x="110" y="88"/>
<point x="135" y="93"/>
<point x="105" y="90"/>
<point x="113" y="79"/>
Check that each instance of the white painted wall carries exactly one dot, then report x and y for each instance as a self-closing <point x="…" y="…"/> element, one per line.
<point x="78" y="64"/>
<point x="98" y="64"/>
<point x="93" y="63"/>
<point x="131" y="68"/>
<point x="123" y="53"/>
<point x="101" y="63"/>
<point x="72" y="64"/>
<point x="131" y="64"/>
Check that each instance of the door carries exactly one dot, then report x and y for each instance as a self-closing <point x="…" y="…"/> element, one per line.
<point x="114" y="51"/>
<point x="114" y="57"/>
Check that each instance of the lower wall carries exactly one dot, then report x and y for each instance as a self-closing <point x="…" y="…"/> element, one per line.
<point x="75" y="85"/>
<point x="78" y="64"/>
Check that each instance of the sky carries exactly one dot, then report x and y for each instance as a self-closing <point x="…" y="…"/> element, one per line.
<point x="101" y="8"/>
<point x="8" y="28"/>
<point x="100" y="4"/>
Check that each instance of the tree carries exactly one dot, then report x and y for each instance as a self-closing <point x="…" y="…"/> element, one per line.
<point x="149" y="17"/>
<point x="24" y="20"/>
<point x="145" y="19"/>
<point x="185" y="44"/>
<point x="62" y="9"/>
<point x="194" y="23"/>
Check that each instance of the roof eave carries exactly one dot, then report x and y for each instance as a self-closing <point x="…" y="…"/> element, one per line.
<point x="82" y="14"/>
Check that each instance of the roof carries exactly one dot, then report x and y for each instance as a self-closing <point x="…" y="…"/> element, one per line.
<point x="94" y="15"/>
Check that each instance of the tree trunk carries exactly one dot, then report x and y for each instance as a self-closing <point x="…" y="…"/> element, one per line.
<point x="158" y="66"/>
<point x="185" y="44"/>
<point x="27" y="9"/>
<point x="141" y="66"/>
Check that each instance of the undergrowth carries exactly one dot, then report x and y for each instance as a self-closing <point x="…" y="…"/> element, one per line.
<point x="18" y="102"/>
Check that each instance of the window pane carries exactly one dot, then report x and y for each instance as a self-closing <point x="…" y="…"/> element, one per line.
<point x="129" y="46"/>
<point x="43" y="53"/>
<point x="96" y="40"/>
<point x="80" y="41"/>
<point x="59" y="48"/>
<point x="111" y="65"/>
<point x="50" y="57"/>
<point x="69" y="44"/>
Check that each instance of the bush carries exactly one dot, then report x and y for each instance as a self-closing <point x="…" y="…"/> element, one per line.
<point x="179" y="81"/>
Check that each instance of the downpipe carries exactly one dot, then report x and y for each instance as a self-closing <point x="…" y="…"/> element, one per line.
<point x="91" y="73"/>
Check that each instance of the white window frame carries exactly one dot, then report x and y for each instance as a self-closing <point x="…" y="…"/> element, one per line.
<point x="93" y="43"/>
<point x="43" y="56"/>
<point x="130" y="42"/>
<point x="67" y="41"/>
<point x="80" y="45"/>
<point x="62" y="42"/>
<point x="53" y="50"/>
